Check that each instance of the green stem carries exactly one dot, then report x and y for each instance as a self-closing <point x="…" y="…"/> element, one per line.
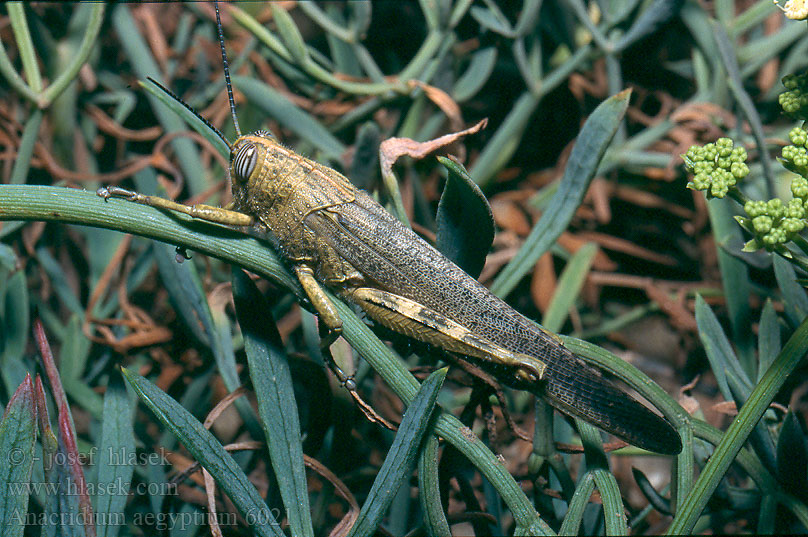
<point x="26" y="149"/>
<point x="66" y="77"/>
<point x="736" y="194"/>
<point x="13" y="78"/>
<point x="16" y="14"/>
<point x="314" y="70"/>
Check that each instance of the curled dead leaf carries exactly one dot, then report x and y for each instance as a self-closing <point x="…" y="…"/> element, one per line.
<point x="728" y="408"/>
<point x="391" y="149"/>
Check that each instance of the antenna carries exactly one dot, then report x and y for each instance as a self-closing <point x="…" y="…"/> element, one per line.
<point x="226" y="71"/>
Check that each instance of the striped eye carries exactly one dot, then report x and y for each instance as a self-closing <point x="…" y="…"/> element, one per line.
<point x="244" y="161"/>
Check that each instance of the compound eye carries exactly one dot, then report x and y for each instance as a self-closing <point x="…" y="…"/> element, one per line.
<point x="244" y="161"/>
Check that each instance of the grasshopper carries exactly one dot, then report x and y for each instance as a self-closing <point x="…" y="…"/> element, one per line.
<point x="336" y="236"/>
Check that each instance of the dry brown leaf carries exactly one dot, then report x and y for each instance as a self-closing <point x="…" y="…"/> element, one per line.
<point x="508" y="215"/>
<point x="690" y="404"/>
<point x="650" y="201"/>
<point x="442" y="100"/>
<point x="573" y="242"/>
<point x="544" y="281"/>
<point x="680" y="316"/>
<point x="222" y="405"/>
<point x="110" y="126"/>
<point x="153" y="30"/>
<point x="393" y="148"/>
<point x="496" y="260"/>
<point x="598" y="195"/>
<point x="728" y="408"/>
<point x="617" y="244"/>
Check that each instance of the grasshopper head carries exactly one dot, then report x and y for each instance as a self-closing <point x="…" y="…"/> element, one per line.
<point x="245" y="155"/>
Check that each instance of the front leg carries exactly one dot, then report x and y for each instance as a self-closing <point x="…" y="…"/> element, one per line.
<point x="322" y="305"/>
<point x="208" y="213"/>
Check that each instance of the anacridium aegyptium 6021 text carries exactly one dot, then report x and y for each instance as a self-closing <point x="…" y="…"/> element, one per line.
<point x="335" y="235"/>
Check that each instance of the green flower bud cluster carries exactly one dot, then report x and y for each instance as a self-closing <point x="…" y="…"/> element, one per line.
<point x="716" y="167"/>
<point x="773" y="222"/>
<point x="795" y="99"/>
<point x="795" y="157"/>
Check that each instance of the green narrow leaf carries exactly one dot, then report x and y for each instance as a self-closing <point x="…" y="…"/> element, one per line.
<point x="366" y="156"/>
<point x="360" y="16"/>
<point x="660" y="503"/>
<point x="25" y="45"/>
<point x="598" y="466"/>
<point x="733" y="381"/>
<point x="17" y="438"/>
<point x="793" y="294"/>
<point x="575" y="512"/>
<point x="49" y="445"/>
<point x="476" y="74"/>
<point x="185" y="289"/>
<point x="734" y="279"/>
<point x="72" y="362"/>
<point x="491" y="20"/>
<point x="95" y="18"/>
<point x="569" y="286"/>
<point x="527" y="17"/>
<point x="272" y="380"/>
<point x="209" y="452"/>
<point x="506" y="139"/>
<point x="339" y="35"/>
<point x="59" y="281"/>
<point x="768" y="338"/>
<point x="792" y="458"/>
<point x="290" y="35"/>
<point x="431" y="12"/>
<point x="733" y="440"/>
<point x="194" y="522"/>
<point x="14" y="324"/>
<point x="768" y="515"/>
<point x="716" y="344"/>
<point x="435" y="521"/>
<point x="116" y="449"/>
<point x="401" y="458"/>
<point x="22" y="162"/>
<point x="225" y="358"/>
<point x="465" y="222"/>
<point x="13" y="78"/>
<point x="595" y="137"/>
<point x="181" y="280"/>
